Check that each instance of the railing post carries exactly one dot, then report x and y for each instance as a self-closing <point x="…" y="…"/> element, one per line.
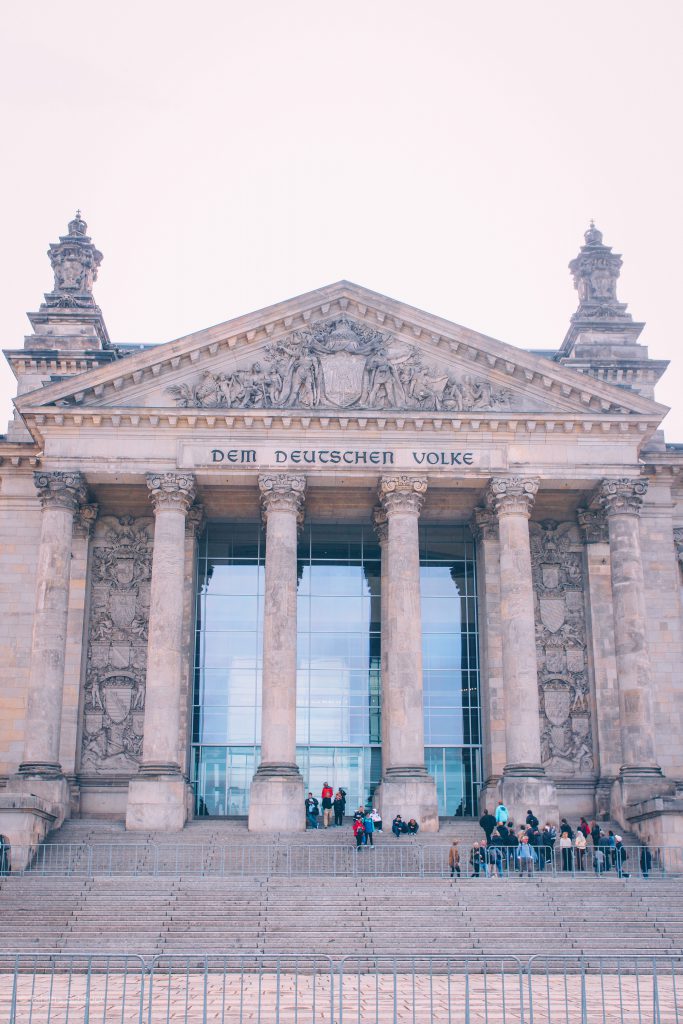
<point x="421" y="861"/>
<point x="584" y="1000"/>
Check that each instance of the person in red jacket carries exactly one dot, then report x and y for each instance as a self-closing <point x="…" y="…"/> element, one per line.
<point x="359" y="832"/>
<point x="327" y="795"/>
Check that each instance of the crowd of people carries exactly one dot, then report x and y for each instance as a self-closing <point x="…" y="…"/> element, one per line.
<point x="533" y="847"/>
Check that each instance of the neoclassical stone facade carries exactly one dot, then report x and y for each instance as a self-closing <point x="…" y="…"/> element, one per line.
<point x="353" y="441"/>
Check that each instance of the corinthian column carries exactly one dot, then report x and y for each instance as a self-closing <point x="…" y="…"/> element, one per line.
<point x="157" y="797"/>
<point x="621" y="500"/>
<point x="406" y="787"/>
<point x="60" y="495"/>
<point x="524" y="785"/>
<point x="276" y="801"/>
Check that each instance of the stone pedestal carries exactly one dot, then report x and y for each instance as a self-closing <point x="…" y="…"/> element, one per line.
<point x="406" y="786"/>
<point x="158" y="795"/>
<point x="276" y="801"/>
<point x="524" y="785"/>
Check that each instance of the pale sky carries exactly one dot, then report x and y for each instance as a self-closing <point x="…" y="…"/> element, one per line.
<point x="449" y="154"/>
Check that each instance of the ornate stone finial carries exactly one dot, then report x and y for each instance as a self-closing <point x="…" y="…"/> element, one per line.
<point x="282" y="491"/>
<point x="593" y="236"/>
<point x="85" y="520"/>
<point x="593" y="524"/>
<point x="596" y="272"/>
<point x="196" y="520"/>
<point x="380" y="523"/>
<point x="511" y="495"/>
<point x="64" y="490"/>
<point x="623" y="496"/>
<point x="171" y="491"/>
<point x="75" y="262"/>
<point x="402" y="493"/>
<point x="484" y="524"/>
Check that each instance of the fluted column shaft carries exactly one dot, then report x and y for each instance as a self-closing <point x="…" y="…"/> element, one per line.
<point x="402" y="499"/>
<point x="381" y="524"/>
<point x="282" y="498"/>
<point x="512" y="499"/>
<point x="60" y="496"/>
<point x="172" y="495"/>
<point x="621" y="500"/>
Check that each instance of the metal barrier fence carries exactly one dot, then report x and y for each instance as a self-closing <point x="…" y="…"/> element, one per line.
<point x="270" y="989"/>
<point x="386" y="858"/>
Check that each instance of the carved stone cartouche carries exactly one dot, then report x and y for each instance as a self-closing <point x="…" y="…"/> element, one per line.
<point x="564" y="695"/>
<point x="340" y="364"/>
<point x="117" y="645"/>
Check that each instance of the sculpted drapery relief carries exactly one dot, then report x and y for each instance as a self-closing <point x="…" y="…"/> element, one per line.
<point x="117" y="645"/>
<point x="340" y="364"/>
<point x="564" y="697"/>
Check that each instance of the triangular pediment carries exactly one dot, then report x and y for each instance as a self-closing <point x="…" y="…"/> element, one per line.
<point x="340" y="349"/>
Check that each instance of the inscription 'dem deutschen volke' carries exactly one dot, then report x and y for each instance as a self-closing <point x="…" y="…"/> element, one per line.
<point x="338" y="457"/>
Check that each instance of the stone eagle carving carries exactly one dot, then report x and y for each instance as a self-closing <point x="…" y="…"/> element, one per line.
<point x="340" y="364"/>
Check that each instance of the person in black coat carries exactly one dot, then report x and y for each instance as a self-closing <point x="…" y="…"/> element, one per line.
<point x="531" y="819"/>
<point x="566" y="827"/>
<point x="645" y="861"/>
<point x="339" y="805"/>
<point x="488" y="823"/>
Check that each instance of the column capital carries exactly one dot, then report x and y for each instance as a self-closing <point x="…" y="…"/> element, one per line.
<point x="593" y="525"/>
<point x="623" y="496"/>
<point x="402" y="493"/>
<point x="171" y="491"/>
<point x="61" y="490"/>
<point x="380" y="523"/>
<point x="195" y="521"/>
<point x="512" y="495"/>
<point x="85" y="520"/>
<point x="282" y="492"/>
<point x="484" y="524"/>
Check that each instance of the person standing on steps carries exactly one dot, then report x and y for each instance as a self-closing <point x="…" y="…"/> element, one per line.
<point x="326" y="797"/>
<point x="359" y="833"/>
<point x="369" y="826"/>
<point x="501" y="813"/>
<point x="312" y="811"/>
<point x="487" y="823"/>
<point x="531" y="819"/>
<point x="454" y="859"/>
<point x="339" y="807"/>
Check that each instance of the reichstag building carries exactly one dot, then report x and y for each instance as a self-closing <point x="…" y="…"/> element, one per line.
<point x="338" y="540"/>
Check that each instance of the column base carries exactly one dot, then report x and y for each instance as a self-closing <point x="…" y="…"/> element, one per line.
<point x="276" y="799"/>
<point x="32" y="805"/>
<point x="637" y="785"/>
<point x="410" y="793"/>
<point x="156" y="803"/>
<point x="526" y="787"/>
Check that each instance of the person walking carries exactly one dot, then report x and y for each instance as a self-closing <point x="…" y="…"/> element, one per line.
<point x="580" y="847"/>
<point x="312" y="811"/>
<point x="339" y="807"/>
<point x="454" y="859"/>
<point x="567" y="853"/>
<point x="487" y="823"/>
<point x="501" y="813"/>
<point x="359" y="832"/>
<point x="326" y="797"/>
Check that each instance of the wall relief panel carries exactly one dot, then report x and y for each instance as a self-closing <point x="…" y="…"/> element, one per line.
<point x="341" y="364"/>
<point x="561" y="643"/>
<point x="114" y="707"/>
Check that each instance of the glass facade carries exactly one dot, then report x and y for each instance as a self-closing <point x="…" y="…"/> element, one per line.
<point x="338" y="663"/>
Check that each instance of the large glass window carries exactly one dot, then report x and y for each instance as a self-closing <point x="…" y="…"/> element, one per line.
<point x="338" y="663"/>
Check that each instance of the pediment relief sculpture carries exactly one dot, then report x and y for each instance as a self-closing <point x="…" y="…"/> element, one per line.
<point x="340" y="364"/>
